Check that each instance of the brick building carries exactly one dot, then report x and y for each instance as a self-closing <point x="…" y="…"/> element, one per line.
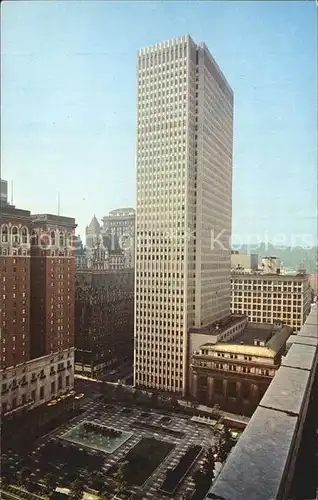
<point x="15" y="265"/>
<point x="52" y="284"/>
<point x="37" y="276"/>
<point x="104" y="319"/>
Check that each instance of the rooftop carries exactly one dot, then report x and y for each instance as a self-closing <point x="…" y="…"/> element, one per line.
<point x="271" y="337"/>
<point x="221" y="326"/>
<point x="268" y="276"/>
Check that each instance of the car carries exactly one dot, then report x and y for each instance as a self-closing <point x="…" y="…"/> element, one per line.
<point x="79" y="396"/>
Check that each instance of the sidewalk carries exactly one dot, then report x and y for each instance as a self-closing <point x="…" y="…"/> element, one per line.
<point x="233" y="417"/>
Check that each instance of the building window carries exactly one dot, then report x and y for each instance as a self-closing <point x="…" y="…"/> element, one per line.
<point x="52" y="387"/>
<point x="24" y="235"/>
<point x="33" y="395"/>
<point x="42" y="392"/>
<point x="4" y="234"/>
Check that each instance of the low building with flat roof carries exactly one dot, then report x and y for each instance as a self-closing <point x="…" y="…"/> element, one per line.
<point x="246" y="261"/>
<point x="236" y="373"/>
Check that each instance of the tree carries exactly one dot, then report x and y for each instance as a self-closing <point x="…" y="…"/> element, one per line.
<point x="119" y="392"/>
<point x="136" y="395"/>
<point x="216" y="410"/>
<point x="209" y="460"/>
<point x="120" y="476"/>
<point x="224" y="445"/>
<point x="154" y="399"/>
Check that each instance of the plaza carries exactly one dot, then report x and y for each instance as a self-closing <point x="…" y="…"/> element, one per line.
<point x="151" y="442"/>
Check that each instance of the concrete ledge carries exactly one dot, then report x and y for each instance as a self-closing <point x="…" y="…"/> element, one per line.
<point x="300" y="356"/>
<point x="298" y="339"/>
<point x="262" y="464"/>
<point x="256" y="466"/>
<point x="308" y="330"/>
<point x="287" y="390"/>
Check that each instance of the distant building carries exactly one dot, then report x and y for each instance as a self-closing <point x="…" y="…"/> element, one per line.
<point x="104" y="320"/>
<point x="313" y="280"/>
<point x="248" y="262"/>
<point x="235" y="374"/>
<point x="271" y="265"/>
<point x="3" y="192"/>
<point x="112" y="246"/>
<point x="119" y="227"/>
<point x="271" y="298"/>
<point x="92" y="233"/>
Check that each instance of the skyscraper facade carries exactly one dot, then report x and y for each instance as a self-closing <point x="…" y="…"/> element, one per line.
<point x="184" y="206"/>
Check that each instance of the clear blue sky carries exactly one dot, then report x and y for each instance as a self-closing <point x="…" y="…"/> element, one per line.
<point x="69" y="103"/>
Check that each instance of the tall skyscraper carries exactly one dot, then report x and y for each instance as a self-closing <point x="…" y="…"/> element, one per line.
<point x="184" y="206"/>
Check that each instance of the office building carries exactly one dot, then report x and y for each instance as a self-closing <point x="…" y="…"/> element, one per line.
<point x="37" y="310"/>
<point x="236" y="373"/>
<point x="184" y="206"/>
<point x="104" y="331"/>
<point x="271" y="298"/>
<point x="3" y="192"/>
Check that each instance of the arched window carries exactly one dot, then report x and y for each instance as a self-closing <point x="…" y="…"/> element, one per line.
<point x="15" y="234"/>
<point x="61" y="239"/>
<point x="34" y="237"/>
<point x="69" y="240"/>
<point x="52" y="238"/>
<point x="4" y="234"/>
<point x="44" y="239"/>
<point x="24" y="235"/>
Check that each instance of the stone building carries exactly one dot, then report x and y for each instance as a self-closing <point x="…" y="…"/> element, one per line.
<point x="235" y="374"/>
<point x="119" y="227"/>
<point x="112" y="246"/>
<point x="92" y="233"/>
<point x="104" y="320"/>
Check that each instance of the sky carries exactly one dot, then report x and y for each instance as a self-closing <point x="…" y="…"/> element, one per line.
<point x="68" y="105"/>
